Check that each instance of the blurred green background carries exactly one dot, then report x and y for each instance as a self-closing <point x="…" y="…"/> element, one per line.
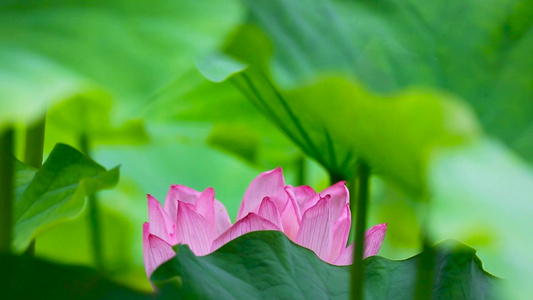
<point x="436" y="96"/>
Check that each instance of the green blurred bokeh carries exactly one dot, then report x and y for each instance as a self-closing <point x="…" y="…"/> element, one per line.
<point x="436" y="95"/>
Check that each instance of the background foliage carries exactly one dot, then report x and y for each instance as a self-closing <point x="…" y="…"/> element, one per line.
<point x="435" y="95"/>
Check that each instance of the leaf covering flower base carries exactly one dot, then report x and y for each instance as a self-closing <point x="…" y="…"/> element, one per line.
<point x="267" y="265"/>
<point x="318" y="221"/>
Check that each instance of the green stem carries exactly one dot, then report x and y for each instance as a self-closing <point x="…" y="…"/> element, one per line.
<point x="94" y="214"/>
<point x="358" y="268"/>
<point x="33" y="154"/>
<point x="425" y="273"/>
<point x="6" y="189"/>
<point x="352" y="187"/>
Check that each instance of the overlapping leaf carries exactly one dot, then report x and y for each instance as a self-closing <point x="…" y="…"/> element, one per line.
<point x="478" y="51"/>
<point x="267" y="264"/>
<point x="194" y="110"/>
<point x="390" y="47"/>
<point x="90" y="115"/>
<point x="56" y="192"/>
<point x="337" y="121"/>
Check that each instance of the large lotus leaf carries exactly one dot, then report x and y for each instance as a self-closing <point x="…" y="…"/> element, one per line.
<point x="193" y="101"/>
<point x="56" y="192"/>
<point x="336" y="121"/>
<point x="394" y="134"/>
<point x="90" y="115"/>
<point x="268" y="265"/>
<point x="480" y="51"/>
<point x="193" y="110"/>
<point x="483" y="193"/>
<point x="29" y="278"/>
<point x="51" y="50"/>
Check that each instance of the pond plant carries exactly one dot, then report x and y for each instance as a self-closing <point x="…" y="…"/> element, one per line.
<point x="413" y="120"/>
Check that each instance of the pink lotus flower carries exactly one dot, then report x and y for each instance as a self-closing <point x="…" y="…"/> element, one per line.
<point x="320" y="222"/>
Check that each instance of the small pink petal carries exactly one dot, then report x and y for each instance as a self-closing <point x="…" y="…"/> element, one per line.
<point x="346" y="257"/>
<point x="160" y="223"/>
<point x="155" y="251"/>
<point x="290" y="216"/>
<point x="374" y="238"/>
<point x="305" y="197"/>
<point x="268" y="184"/>
<point x="205" y="205"/>
<point x="290" y="190"/>
<point x="181" y="193"/>
<point x="194" y="230"/>
<point x="251" y="222"/>
<point x="268" y="211"/>
<point x="222" y="219"/>
<point x="341" y="231"/>
<point x="316" y="228"/>
<point x="340" y="196"/>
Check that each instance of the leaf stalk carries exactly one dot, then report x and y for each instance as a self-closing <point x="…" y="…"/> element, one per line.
<point x="33" y="154"/>
<point x="94" y="214"/>
<point x="6" y="189"/>
<point x="358" y="268"/>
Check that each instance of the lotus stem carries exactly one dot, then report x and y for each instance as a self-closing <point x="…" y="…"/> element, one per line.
<point x="6" y="189"/>
<point x="425" y="272"/>
<point x="358" y="268"/>
<point x="33" y="154"/>
<point x="94" y="214"/>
